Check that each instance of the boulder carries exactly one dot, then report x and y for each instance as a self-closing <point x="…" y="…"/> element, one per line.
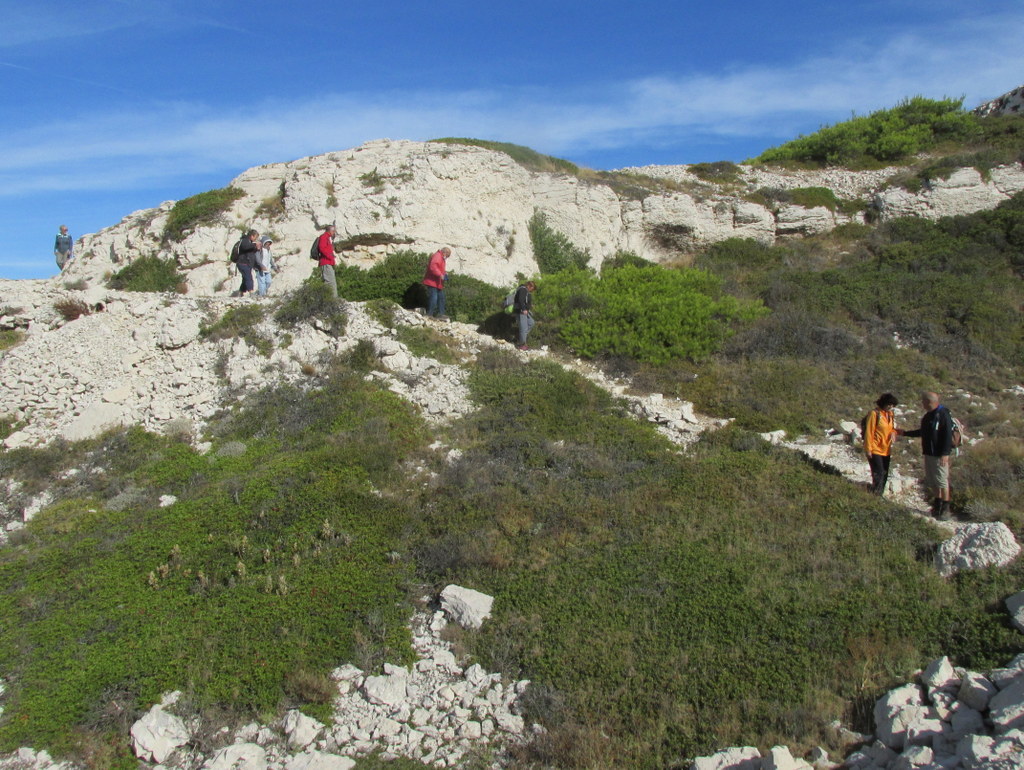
<point x="940" y="675"/>
<point x="465" y="606"/>
<point x="736" y="758"/>
<point x="316" y="760"/>
<point x="157" y="734"/>
<point x="300" y="729"/>
<point x="1006" y="709"/>
<point x="976" y="546"/>
<point x="240" y="756"/>
<point x="1015" y="606"/>
<point x="975" y="691"/>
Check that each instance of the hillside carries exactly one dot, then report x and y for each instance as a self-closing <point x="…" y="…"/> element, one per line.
<point x="663" y="497"/>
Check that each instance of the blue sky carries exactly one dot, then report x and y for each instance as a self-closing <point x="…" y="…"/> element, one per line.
<point x="109" y="106"/>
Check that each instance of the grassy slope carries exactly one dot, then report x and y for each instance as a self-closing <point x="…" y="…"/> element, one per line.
<point x="674" y="603"/>
<point x="664" y="604"/>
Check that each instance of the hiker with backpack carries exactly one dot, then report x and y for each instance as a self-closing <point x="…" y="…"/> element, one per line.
<point x="879" y="431"/>
<point x="247" y="248"/>
<point x="939" y="433"/>
<point x="326" y="261"/>
<point x="522" y="307"/>
<point x="434" y="280"/>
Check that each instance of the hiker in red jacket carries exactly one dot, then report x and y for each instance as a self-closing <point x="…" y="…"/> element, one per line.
<point x="437" y="274"/>
<point x="326" y="248"/>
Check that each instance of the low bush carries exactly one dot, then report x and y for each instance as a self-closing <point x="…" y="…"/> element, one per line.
<point x="149" y="274"/>
<point x="240" y="322"/>
<point x="524" y="156"/>
<point x="399" y="278"/>
<point x="649" y="313"/>
<point x="989" y="480"/>
<point x="202" y="209"/>
<point x="9" y="338"/>
<point x="71" y="309"/>
<point x="720" y="171"/>
<point x="312" y="302"/>
<point x="552" y="250"/>
<point x="885" y="136"/>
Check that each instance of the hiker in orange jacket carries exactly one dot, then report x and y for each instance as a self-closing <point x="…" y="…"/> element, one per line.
<point x="879" y="435"/>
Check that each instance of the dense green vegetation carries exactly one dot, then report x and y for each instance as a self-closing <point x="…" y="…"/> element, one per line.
<point x="148" y="274"/>
<point x="553" y="250"/>
<point x="399" y="278"/>
<point x="672" y="603"/>
<point x="644" y="312"/>
<point x="915" y="125"/>
<point x="202" y="209"/>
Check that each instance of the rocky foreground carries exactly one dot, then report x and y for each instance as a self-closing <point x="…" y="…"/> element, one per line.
<point x="142" y="359"/>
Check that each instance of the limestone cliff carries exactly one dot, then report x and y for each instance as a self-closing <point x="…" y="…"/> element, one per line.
<point x="386" y="195"/>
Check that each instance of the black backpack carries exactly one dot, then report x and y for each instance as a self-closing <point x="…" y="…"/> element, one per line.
<point x="314" y="250"/>
<point x="234" y="251"/>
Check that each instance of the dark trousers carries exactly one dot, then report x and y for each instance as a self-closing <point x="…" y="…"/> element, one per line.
<point x="879" y="472"/>
<point x="246" y="271"/>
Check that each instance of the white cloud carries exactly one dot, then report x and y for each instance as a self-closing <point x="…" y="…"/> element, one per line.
<point x="979" y="59"/>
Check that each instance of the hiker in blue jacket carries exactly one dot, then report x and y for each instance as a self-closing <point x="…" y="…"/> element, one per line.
<point x="63" y="248"/>
<point x="936" y="434"/>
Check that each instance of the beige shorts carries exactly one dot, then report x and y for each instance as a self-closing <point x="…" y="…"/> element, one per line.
<point x="936" y="474"/>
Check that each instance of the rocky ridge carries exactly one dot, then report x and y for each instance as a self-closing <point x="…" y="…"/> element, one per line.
<point x="388" y="195"/>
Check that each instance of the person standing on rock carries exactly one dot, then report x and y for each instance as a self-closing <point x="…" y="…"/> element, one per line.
<point x="936" y="434"/>
<point x="879" y="435"/>
<point x="264" y="267"/>
<point x="63" y="248"/>
<point x="326" y="248"/>
<point x="247" y="249"/>
<point x="522" y="306"/>
<point x="434" y="280"/>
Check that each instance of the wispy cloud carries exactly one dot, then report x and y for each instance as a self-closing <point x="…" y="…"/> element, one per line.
<point x="978" y="59"/>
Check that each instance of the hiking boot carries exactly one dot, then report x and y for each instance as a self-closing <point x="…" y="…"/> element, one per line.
<point x="522" y="347"/>
<point x="944" y="514"/>
<point x="443" y="318"/>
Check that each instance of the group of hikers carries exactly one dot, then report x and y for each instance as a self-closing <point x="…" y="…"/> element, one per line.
<point x="252" y="256"/>
<point x="940" y="434"/>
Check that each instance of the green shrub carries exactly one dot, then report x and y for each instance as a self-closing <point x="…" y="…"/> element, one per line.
<point x="268" y="571"/>
<point x="241" y="322"/>
<point x="552" y="250"/>
<point x="720" y="171"/>
<point x="524" y="156"/>
<point x="913" y="126"/>
<point x="198" y="210"/>
<point x="149" y="274"/>
<point x="312" y="301"/>
<point x="648" y="313"/>
<point x="9" y="338"/>
<point x="812" y="197"/>
<point x="399" y="278"/>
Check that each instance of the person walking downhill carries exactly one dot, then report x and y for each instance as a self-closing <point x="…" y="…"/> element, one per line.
<point x="434" y="280"/>
<point x="879" y="435"/>
<point x="522" y="306"/>
<point x="63" y="248"/>
<point x="247" y="249"/>
<point x="936" y="434"/>
<point x="326" y="248"/>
